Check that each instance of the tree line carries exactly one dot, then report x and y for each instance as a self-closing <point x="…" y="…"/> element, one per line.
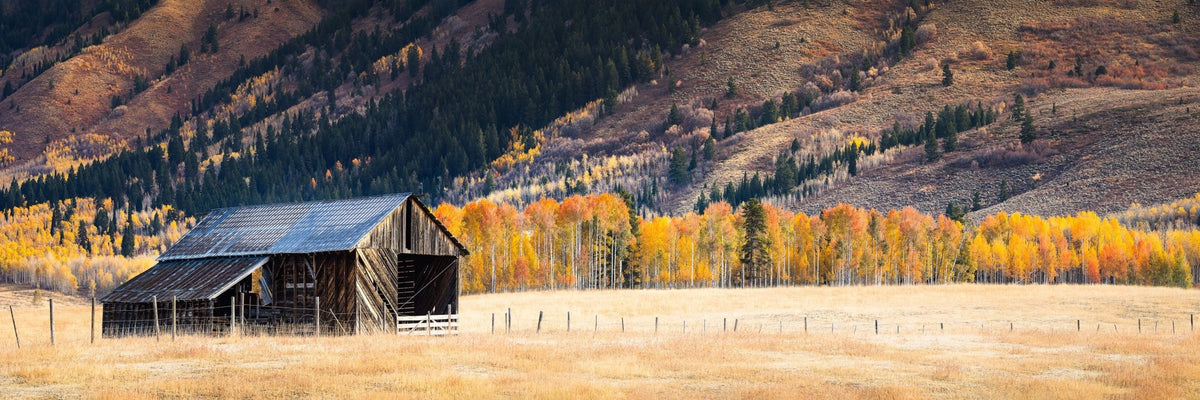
<point x="594" y="241"/>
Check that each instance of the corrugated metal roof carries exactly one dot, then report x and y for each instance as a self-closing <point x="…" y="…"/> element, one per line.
<point x="185" y="280"/>
<point x="311" y="227"/>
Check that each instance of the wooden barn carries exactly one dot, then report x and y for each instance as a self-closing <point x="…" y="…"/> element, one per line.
<point x="343" y="266"/>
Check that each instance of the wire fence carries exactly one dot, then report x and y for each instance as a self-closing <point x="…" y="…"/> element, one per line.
<point x="240" y="320"/>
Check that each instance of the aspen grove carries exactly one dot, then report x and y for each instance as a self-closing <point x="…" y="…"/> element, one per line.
<point x="595" y="242"/>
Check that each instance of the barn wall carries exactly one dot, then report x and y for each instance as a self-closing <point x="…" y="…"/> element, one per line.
<point x="423" y="236"/>
<point x="375" y="289"/>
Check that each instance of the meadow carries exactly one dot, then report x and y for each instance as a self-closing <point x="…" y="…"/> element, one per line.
<point x="933" y="341"/>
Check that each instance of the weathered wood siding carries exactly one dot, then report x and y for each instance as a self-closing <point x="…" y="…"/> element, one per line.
<point x="411" y="229"/>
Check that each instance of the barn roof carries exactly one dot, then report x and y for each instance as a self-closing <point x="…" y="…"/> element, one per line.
<point x="185" y="280"/>
<point x="289" y="228"/>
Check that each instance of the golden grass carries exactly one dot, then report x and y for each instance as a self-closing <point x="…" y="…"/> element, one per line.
<point x="1043" y="357"/>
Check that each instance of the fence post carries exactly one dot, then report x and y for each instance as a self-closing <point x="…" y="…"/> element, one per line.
<point x="1139" y="325"/>
<point x="232" y="316"/>
<point x="1077" y="326"/>
<point x="942" y="326"/>
<point x="655" y="325"/>
<point x="429" y="323"/>
<point x="13" y="315"/>
<point x="876" y="327"/>
<point x="704" y="325"/>
<point x="597" y="327"/>
<point x="493" y="323"/>
<point x="317" y="315"/>
<point x="806" y="324"/>
<point x="174" y="319"/>
<point x="539" y="326"/>
<point x="92" y="333"/>
<point x="568" y="321"/>
<point x="735" y="323"/>
<point x="1010" y="326"/>
<point x="1172" y="327"/>
<point x="51" y="321"/>
<point x="154" y="307"/>
<point x="724" y="324"/>
<point x="622" y="324"/>
<point x="508" y="321"/>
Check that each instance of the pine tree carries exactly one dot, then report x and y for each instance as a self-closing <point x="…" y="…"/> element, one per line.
<point x="731" y="90"/>
<point x="976" y="203"/>
<point x="947" y="75"/>
<point x="1018" y="108"/>
<point x="81" y="238"/>
<point x="1028" y="132"/>
<point x="931" y="147"/>
<point x="674" y="117"/>
<point x="127" y="238"/>
<point x="755" y="256"/>
<point x="678" y="168"/>
<point x="1011" y="63"/>
<point x="1003" y="191"/>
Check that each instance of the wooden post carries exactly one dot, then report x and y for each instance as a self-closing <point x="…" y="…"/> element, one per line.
<point x="1010" y="326"/>
<point x="805" y="324"/>
<point x="1077" y="326"/>
<point x="242" y="308"/>
<point x="735" y="322"/>
<point x="317" y="315"/>
<point x="232" y="316"/>
<point x="1156" y="326"/>
<point x="13" y="315"/>
<point x="508" y="321"/>
<point x="51" y="321"/>
<point x="942" y="326"/>
<point x="92" y="333"/>
<point x="154" y="308"/>
<point x="622" y="324"/>
<point x="1172" y="327"/>
<point x="568" y="321"/>
<point x="724" y="324"/>
<point x="597" y="327"/>
<point x="539" y="326"/>
<point x="876" y="327"/>
<point x="655" y="325"/>
<point x="174" y="319"/>
<point x="493" y="323"/>
<point x="704" y="325"/>
<point x="1139" y="325"/>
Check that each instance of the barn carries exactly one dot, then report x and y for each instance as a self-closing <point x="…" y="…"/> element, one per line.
<point x="342" y="266"/>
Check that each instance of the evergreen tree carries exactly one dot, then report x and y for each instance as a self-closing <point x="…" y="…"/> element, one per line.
<point x="728" y="127"/>
<point x="81" y="238"/>
<point x="127" y="238"/>
<point x="951" y="142"/>
<point x="674" y="117"/>
<point x="947" y="75"/>
<point x="678" y="168"/>
<point x="701" y="203"/>
<point x="710" y="149"/>
<point x="1028" y="132"/>
<point x="755" y="254"/>
<point x="954" y="212"/>
<point x="931" y="147"/>
<point x="1003" y="191"/>
<point x="1018" y="108"/>
<point x="1011" y="63"/>
<point x="976" y="203"/>
<point x="731" y="90"/>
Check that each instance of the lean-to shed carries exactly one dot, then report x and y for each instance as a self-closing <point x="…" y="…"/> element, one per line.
<point x="364" y="263"/>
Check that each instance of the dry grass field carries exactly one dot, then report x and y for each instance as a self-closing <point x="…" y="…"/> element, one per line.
<point x="975" y="356"/>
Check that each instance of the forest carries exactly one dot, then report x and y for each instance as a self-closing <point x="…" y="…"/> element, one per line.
<point x="594" y="241"/>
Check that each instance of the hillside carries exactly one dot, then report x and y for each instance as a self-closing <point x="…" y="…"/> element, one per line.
<point x="680" y="105"/>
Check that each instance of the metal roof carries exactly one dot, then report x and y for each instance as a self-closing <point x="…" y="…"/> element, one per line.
<point x="185" y="280"/>
<point x="312" y="227"/>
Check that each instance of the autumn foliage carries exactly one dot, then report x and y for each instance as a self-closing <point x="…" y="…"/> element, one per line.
<point x="591" y="242"/>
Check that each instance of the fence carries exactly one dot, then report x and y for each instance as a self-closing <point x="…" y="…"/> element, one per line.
<point x="539" y="323"/>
